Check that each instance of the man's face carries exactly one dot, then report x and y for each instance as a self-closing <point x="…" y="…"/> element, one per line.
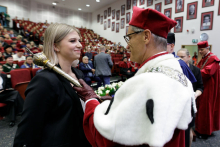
<point x="203" y="51"/>
<point x="20" y="54"/>
<point x="28" y="45"/>
<point x="183" y="56"/>
<point x="167" y="13"/>
<point x="1" y="39"/>
<point x="207" y="19"/>
<point x="192" y="9"/>
<point x="170" y="48"/>
<point x="11" y="32"/>
<point x="136" y="46"/>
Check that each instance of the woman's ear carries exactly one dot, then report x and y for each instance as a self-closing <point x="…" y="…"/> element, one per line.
<point x="56" y="49"/>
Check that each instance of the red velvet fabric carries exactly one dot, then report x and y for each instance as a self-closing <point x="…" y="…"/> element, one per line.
<point x="20" y="75"/>
<point x="97" y="140"/>
<point x="151" y="19"/>
<point x="208" y="104"/>
<point x="123" y="64"/>
<point x="203" y="44"/>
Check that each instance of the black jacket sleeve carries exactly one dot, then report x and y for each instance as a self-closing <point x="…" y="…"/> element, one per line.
<point x="199" y="85"/>
<point x="41" y="95"/>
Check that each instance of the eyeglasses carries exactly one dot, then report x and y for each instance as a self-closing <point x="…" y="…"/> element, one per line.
<point x="126" y="37"/>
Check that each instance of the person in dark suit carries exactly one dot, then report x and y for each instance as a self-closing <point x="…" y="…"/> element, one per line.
<point x="89" y="72"/>
<point x="197" y="87"/>
<point x="89" y="55"/>
<point x="103" y="64"/>
<point x="125" y="68"/>
<point x="11" y="97"/>
<point x="53" y="113"/>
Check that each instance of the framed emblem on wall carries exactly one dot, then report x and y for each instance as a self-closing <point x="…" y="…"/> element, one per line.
<point x="117" y="27"/>
<point x="122" y="23"/>
<point x="134" y="3"/>
<point x="149" y="3"/>
<point x="105" y="14"/>
<point x="179" y="6"/>
<point x="141" y="2"/>
<point x="109" y="23"/>
<point x="206" y="21"/>
<point x="128" y="4"/>
<point x="168" y="12"/>
<point x="109" y="11"/>
<point x="122" y="10"/>
<point x="113" y="26"/>
<point x="168" y="2"/>
<point x="98" y="18"/>
<point x="118" y="15"/>
<point x="101" y="19"/>
<point x="179" y="27"/>
<point x="128" y="17"/>
<point x="113" y="14"/>
<point x="192" y="10"/>
<point x="158" y="6"/>
<point x="207" y="3"/>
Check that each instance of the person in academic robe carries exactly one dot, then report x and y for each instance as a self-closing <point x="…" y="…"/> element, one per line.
<point x="19" y="56"/>
<point x="10" y="97"/>
<point x="9" y="65"/>
<point x="197" y="87"/>
<point x="53" y="113"/>
<point x="29" y="63"/>
<point x="170" y="49"/>
<point x="208" y="104"/>
<point x="125" y="68"/>
<point x="146" y="110"/>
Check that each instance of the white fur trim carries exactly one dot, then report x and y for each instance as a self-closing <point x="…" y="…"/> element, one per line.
<point x="127" y="122"/>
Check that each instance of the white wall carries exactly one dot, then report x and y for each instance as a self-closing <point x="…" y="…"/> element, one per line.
<point x="38" y="12"/>
<point x="183" y="38"/>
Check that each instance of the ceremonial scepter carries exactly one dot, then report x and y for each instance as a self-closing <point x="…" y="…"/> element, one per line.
<point x="40" y="59"/>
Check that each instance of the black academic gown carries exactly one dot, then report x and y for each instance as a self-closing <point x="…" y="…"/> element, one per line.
<point x="12" y="98"/>
<point x="52" y="114"/>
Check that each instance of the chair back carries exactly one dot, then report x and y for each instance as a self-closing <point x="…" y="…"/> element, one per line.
<point x="34" y="71"/>
<point x="19" y="76"/>
<point x="21" y="63"/>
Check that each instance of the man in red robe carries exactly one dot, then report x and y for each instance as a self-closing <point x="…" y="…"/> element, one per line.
<point x="145" y="111"/>
<point x="208" y="104"/>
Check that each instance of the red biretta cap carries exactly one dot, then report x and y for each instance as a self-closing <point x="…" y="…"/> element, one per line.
<point x="155" y="21"/>
<point x="20" y="50"/>
<point x="203" y="44"/>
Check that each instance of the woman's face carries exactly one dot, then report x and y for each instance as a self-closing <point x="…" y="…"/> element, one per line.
<point x="70" y="47"/>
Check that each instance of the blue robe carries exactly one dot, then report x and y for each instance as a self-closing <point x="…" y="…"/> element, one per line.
<point x="186" y="69"/>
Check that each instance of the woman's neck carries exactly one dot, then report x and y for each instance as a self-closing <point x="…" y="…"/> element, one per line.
<point x="65" y="65"/>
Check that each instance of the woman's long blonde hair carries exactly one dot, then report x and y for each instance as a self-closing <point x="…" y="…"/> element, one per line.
<point x="53" y="35"/>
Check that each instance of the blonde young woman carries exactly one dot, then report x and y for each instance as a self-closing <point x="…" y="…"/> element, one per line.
<point x="53" y="114"/>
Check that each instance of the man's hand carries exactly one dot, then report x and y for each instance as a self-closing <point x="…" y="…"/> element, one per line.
<point x="128" y="70"/>
<point x="85" y="92"/>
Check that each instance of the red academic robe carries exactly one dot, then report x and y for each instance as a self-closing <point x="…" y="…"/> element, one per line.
<point x="208" y="104"/>
<point x="97" y="140"/>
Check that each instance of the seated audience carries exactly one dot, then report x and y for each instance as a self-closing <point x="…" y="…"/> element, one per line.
<point x="11" y="97"/>
<point x="1" y="57"/>
<point x="1" y="47"/>
<point x="40" y="48"/>
<point x="8" y="66"/>
<point x="11" y="33"/>
<point x="19" y="56"/>
<point x="89" y="55"/>
<point x="8" y="50"/>
<point x="2" y="40"/>
<point x="29" y="63"/>
<point x="32" y="44"/>
<point x="125" y="68"/>
<point x="14" y="47"/>
<point x="89" y="72"/>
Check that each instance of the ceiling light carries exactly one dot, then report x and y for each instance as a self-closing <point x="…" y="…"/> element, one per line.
<point x="54" y="3"/>
<point x="79" y="9"/>
<point x="97" y="0"/>
<point x="87" y="5"/>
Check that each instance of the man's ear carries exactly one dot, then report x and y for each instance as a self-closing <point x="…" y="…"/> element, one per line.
<point x="147" y="36"/>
